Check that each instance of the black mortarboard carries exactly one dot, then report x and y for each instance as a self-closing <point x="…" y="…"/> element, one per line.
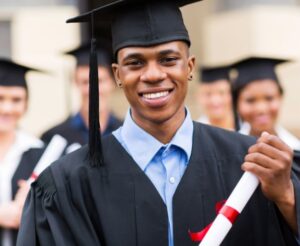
<point x="141" y="23"/>
<point x="133" y="23"/>
<point x="212" y="74"/>
<point x="82" y="53"/>
<point x="255" y="69"/>
<point x="13" y="74"/>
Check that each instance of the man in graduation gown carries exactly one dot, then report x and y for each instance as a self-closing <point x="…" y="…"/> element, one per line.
<point x="160" y="174"/>
<point x="75" y="128"/>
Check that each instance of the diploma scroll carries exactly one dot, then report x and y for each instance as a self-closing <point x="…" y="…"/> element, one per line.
<point x="230" y="210"/>
<point x="53" y="151"/>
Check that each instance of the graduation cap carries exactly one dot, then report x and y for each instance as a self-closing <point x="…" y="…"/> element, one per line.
<point x="13" y="74"/>
<point x="255" y="68"/>
<point x="212" y="74"/>
<point x="103" y="50"/>
<point x="140" y="23"/>
<point x="133" y="23"/>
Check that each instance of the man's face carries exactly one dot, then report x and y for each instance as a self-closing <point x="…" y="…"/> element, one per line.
<point x="215" y="99"/>
<point x="154" y="80"/>
<point x="106" y="85"/>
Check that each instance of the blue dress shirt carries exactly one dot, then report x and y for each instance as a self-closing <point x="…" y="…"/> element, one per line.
<point x="78" y="123"/>
<point x="164" y="164"/>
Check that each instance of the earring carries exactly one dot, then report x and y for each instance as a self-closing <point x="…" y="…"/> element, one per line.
<point x="119" y="83"/>
<point x="190" y="78"/>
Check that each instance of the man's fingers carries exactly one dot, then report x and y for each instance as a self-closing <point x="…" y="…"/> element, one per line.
<point x="257" y="170"/>
<point x="265" y="149"/>
<point x="261" y="160"/>
<point x="274" y="141"/>
<point x="270" y="151"/>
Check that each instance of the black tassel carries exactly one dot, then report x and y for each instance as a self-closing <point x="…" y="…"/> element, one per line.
<point x="236" y="120"/>
<point x="95" y="144"/>
<point x="234" y="108"/>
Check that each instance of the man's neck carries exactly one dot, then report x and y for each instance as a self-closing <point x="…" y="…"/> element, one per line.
<point x="164" y="131"/>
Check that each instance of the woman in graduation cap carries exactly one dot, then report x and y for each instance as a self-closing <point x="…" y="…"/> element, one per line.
<point x="258" y="96"/>
<point x="214" y="97"/>
<point x="75" y="128"/>
<point x="160" y="174"/>
<point x="19" y="151"/>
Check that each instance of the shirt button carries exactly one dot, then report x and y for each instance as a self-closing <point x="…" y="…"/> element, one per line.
<point x="172" y="180"/>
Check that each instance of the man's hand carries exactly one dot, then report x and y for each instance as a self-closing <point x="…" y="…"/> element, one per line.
<point x="10" y="215"/>
<point x="270" y="159"/>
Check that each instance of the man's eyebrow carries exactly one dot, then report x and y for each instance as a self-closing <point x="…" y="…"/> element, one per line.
<point x="132" y="55"/>
<point x="140" y="55"/>
<point x="167" y="52"/>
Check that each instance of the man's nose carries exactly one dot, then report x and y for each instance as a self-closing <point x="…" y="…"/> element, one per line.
<point x="153" y="73"/>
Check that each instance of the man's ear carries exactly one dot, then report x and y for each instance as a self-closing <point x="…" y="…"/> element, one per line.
<point x="115" y="68"/>
<point x="191" y="65"/>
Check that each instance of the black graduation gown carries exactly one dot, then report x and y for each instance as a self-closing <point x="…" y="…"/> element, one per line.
<point x="78" y="133"/>
<point x="296" y="166"/>
<point x="24" y="170"/>
<point x="74" y="204"/>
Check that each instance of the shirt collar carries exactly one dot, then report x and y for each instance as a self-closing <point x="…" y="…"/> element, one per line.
<point x="143" y="147"/>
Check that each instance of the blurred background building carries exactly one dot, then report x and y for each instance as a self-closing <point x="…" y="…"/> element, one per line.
<point x="34" y="32"/>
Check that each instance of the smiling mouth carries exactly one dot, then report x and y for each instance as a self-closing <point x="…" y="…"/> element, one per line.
<point x="155" y="95"/>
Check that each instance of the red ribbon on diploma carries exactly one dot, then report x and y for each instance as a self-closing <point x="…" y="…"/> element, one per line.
<point x="230" y="213"/>
<point x="34" y="176"/>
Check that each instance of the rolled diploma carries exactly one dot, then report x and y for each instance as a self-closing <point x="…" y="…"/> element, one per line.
<point x="53" y="151"/>
<point x="237" y="200"/>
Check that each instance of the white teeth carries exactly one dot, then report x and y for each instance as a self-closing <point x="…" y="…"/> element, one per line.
<point x="156" y="95"/>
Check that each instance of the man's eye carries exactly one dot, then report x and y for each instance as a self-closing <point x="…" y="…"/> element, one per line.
<point x="170" y="59"/>
<point x="134" y="63"/>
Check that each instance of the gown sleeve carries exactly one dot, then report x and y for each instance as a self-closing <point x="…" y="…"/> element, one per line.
<point x="41" y="222"/>
<point x="50" y="217"/>
<point x="296" y="163"/>
<point x="289" y="236"/>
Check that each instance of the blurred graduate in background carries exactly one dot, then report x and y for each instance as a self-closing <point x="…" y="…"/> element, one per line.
<point x="75" y="128"/>
<point x="19" y="151"/>
<point x="258" y="96"/>
<point x="214" y="97"/>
